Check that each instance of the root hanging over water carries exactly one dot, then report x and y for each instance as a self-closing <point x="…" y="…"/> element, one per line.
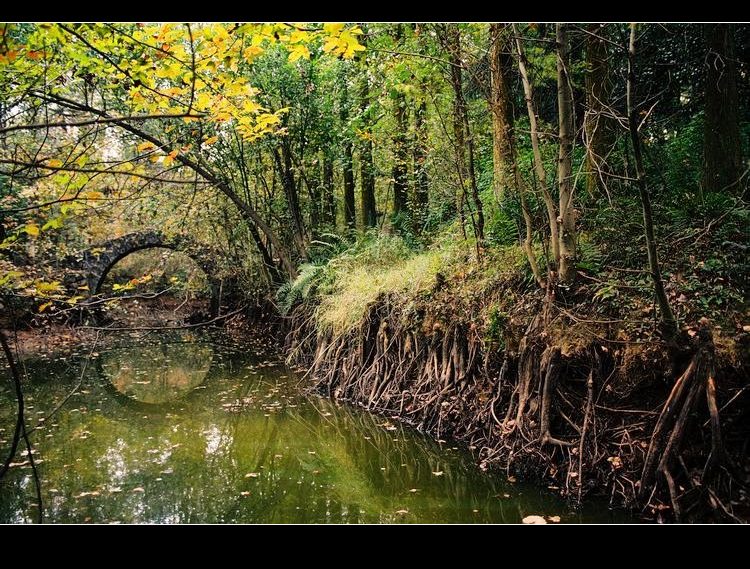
<point x="551" y="408"/>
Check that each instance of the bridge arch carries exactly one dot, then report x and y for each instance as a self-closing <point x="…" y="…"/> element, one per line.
<point x="95" y="263"/>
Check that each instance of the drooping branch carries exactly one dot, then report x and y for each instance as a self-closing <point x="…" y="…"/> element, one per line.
<point x="198" y="166"/>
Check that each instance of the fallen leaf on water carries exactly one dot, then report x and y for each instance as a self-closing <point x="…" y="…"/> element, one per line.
<point x="554" y="519"/>
<point x="438" y="473"/>
<point x="534" y="520"/>
<point x="84" y="494"/>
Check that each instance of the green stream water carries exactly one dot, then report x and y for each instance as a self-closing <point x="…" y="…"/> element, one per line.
<point x="198" y="431"/>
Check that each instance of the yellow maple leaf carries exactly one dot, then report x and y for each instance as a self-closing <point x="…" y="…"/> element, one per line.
<point x="299" y="51"/>
<point x="333" y="28"/>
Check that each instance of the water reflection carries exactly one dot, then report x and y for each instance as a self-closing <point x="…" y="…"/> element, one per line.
<point x="242" y="446"/>
<point x="157" y="374"/>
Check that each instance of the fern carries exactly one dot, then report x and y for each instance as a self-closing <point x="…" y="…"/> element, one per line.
<point x="302" y="288"/>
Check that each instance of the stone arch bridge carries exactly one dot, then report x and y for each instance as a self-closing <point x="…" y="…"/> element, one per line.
<point x="91" y="266"/>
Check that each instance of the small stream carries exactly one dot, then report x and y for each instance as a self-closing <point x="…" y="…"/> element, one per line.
<point x="196" y="430"/>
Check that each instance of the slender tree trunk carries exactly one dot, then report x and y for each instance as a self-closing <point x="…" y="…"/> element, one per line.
<point x="458" y="131"/>
<point x="367" y="171"/>
<point x="598" y="127"/>
<point x="270" y="268"/>
<point x="506" y="176"/>
<point x="541" y="173"/>
<point x="400" y="170"/>
<point x="288" y="182"/>
<point x="501" y="108"/>
<point x="567" y="218"/>
<point x="349" y="205"/>
<point x="722" y="152"/>
<point x="314" y="191"/>
<point x="667" y="317"/>
<point x="419" y="155"/>
<point x="329" y="198"/>
<point x="462" y="131"/>
<point x="350" y="216"/>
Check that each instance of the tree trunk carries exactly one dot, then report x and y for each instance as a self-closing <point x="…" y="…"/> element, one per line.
<point x="722" y="152"/>
<point x="541" y="174"/>
<point x="400" y="170"/>
<point x="367" y="171"/>
<point x="350" y="217"/>
<point x="598" y="126"/>
<point x="329" y="198"/>
<point x="421" y="182"/>
<point x="314" y="191"/>
<point x="506" y="176"/>
<point x="501" y="108"/>
<point x="667" y="316"/>
<point x="288" y="182"/>
<point x="349" y="205"/>
<point x="565" y="180"/>
<point x="462" y="132"/>
<point x="270" y="268"/>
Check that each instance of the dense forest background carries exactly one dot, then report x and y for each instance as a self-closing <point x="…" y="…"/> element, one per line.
<point x="284" y="156"/>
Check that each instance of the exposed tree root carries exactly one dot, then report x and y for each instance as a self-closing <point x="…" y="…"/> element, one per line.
<point x="545" y="408"/>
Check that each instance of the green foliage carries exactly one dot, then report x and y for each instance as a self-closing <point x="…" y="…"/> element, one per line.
<point x="309" y="277"/>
